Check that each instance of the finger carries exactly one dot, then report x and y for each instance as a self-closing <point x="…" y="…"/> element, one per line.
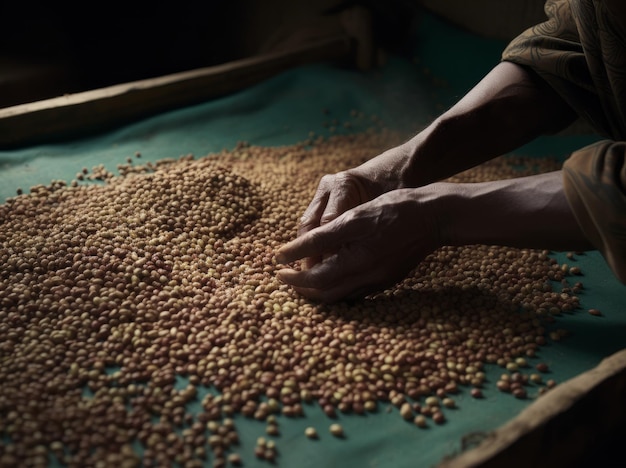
<point x="321" y="295"/>
<point x="320" y="276"/>
<point x="343" y="270"/>
<point x="359" y="293"/>
<point x="313" y="244"/>
<point x="354" y="290"/>
<point x="311" y="217"/>
<point x="340" y="201"/>
<point x="310" y="262"/>
<point x="349" y="290"/>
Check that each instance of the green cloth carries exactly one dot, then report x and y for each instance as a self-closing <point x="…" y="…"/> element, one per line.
<point x="404" y="94"/>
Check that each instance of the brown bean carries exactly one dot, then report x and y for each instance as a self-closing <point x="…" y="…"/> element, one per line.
<point x="166" y="272"/>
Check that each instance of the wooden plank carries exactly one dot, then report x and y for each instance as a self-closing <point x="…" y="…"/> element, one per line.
<point x="559" y="428"/>
<point x="81" y="113"/>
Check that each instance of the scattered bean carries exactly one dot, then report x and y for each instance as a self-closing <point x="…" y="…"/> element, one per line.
<point x="165" y="271"/>
<point x="448" y="403"/>
<point x="336" y="430"/>
<point x="420" y="421"/>
<point x="542" y="367"/>
<point x="406" y="411"/>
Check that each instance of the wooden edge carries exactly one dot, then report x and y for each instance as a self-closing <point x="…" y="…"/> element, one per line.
<point x="84" y="112"/>
<point x="561" y="426"/>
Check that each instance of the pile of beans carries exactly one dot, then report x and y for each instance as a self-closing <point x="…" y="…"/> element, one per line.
<point x="113" y="293"/>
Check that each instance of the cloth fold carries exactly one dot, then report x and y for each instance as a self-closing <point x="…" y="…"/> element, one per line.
<point x="580" y="51"/>
<point x="594" y="179"/>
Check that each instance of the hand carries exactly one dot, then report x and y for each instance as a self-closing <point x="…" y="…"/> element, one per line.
<point x="365" y="249"/>
<point x="338" y="193"/>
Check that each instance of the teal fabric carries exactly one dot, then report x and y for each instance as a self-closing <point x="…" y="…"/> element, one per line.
<point x="405" y="94"/>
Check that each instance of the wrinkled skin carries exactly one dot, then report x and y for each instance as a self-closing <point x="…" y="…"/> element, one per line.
<point x="366" y="248"/>
<point x="367" y="227"/>
<point x="338" y="193"/>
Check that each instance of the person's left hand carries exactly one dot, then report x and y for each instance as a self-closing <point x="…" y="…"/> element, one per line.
<point x="370" y="247"/>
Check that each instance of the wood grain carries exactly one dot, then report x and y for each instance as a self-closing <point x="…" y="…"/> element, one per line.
<point x="86" y="112"/>
<point x="559" y="428"/>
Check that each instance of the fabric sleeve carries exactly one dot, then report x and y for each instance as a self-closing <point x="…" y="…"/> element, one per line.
<point x="579" y="52"/>
<point x="594" y="180"/>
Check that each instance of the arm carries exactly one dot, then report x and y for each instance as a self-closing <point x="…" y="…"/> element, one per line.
<point x="509" y="107"/>
<point x="527" y="212"/>
<point x="377" y="243"/>
<point x="369" y="241"/>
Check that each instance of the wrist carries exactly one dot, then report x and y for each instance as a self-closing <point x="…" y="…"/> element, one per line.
<point x="526" y="212"/>
<point x="433" y="154"/>
<point x="439" y="204"/>
<point x="446" y="203"/>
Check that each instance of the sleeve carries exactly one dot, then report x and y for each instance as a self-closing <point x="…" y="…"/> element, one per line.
<point x="594" y="180"/>
<point x="579" y="52"/>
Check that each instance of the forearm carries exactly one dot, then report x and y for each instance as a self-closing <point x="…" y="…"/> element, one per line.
<point x="530" y="212"/>
<point x="508" y="108"/>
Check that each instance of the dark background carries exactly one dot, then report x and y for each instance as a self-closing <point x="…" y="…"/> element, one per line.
<point x="52" y="48"/>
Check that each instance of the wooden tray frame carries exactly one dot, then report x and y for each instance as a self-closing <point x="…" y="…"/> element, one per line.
<point x="560" y="428"/>
<point x="78" y="114"/>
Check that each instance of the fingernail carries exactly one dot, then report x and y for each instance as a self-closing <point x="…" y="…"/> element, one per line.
<point x="280" y="276"/>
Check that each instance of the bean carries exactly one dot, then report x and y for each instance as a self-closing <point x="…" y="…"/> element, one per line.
<point x="336" y="430"/>
<point x="420" y="421"/>
<point x="165" y="272"/>
<point x="448" y="403"/>
<point x="542" y="367"/>
<point x="406" y="411"/>
<point x="310" y="432"/>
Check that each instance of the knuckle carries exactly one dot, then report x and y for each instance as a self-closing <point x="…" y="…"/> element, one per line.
<point x="332" y="181"/>
<point x="344" y="177"/>
<point x="306" y="222"/>
<point x="326" y="183"/>
<point x="313" y="280"/>
<point x="315" y="239"/>
<point x="326" y="178"/>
